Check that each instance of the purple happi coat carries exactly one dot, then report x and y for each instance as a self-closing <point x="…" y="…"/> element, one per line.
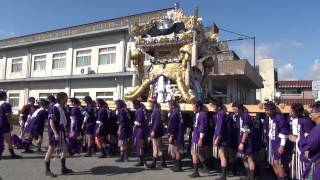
<point x="221" y="128"/>
<point x="1" y="143"/>
<point x="91" y="117"/>
<point x="231" y="130"/>
<point x="5" y="110"/>
<point x="244" y="125"/>
<point x="176" y="127"/>
<point x="76" y="120"/>
<point x="311" y="144"/>
<point x="141" y="124"/>
<point x="258" y="134"/>
<point x="54" y="113"/>
<point x="102" y="121"/>
<point x="278" y="131"/>
<point x="300" y="127"/>
<point x="123" y="120"/>
<point x="35" y="125"/>
<point x="200" y="124"/>
<point x="156" y="123"/>
<point x="208" y="137"/>
<point x="141" y="131"/>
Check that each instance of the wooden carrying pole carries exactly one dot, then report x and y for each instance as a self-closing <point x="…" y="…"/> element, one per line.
<point x="252" y="109"/>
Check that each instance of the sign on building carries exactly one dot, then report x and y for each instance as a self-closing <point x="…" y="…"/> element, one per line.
<point x="315" y="85"/>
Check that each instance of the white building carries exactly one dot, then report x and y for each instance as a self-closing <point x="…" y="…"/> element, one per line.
<point x="82" y="60"/>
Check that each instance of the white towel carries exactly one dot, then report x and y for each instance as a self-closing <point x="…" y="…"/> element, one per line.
<point x="63" y="119"/>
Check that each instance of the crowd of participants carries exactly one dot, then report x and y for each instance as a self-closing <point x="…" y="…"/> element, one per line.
<point x="217" y="141"/>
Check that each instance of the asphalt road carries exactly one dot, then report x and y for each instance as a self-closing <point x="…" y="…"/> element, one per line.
<point x="31" y="167"/>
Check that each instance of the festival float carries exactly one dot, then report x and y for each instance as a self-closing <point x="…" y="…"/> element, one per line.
<point x="181" y="52"/>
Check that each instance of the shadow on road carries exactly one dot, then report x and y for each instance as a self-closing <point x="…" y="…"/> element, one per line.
<point x="113" y="170"/>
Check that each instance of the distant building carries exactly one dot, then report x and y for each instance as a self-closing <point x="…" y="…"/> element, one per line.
<point x="289" y="92"/>
<point x="269" y="76"/>
<point x="233" y="79"/>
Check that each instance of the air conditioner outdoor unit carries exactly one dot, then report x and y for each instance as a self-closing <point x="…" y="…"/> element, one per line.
<point x="84" y="70"/>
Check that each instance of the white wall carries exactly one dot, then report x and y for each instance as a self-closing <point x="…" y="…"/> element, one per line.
<point x="2" y="65"/>
<point x="266" y="70"/>
<point x="21" y="53"/>
<point x="49" y="50"/>
<point x="94" y="44"/>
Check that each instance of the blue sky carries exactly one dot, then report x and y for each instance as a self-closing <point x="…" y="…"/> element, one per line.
<point x="286" y="30"/>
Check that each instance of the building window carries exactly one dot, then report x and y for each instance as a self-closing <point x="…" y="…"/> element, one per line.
<point x="39" y="63"/>
<point x="14" y="99"/>
<point x="59" y="61"/>
<point x="45" y="95"/>
<point x="107" y="96"/>
<point x="16" y="65"/>
<point x="291" y="91"/>
<point x="83" y="58"/>
<point x="107" y="56"/>
<point x="80" y="95"/>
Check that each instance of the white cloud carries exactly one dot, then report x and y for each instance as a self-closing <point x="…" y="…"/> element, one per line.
<point x="6" y="34"/>
<point x="264" y="50"/>
<point x="286" y="71"/>
<point x="314" y="70"/>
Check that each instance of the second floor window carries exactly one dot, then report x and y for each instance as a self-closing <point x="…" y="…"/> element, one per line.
<point x="39" y="63"/>
<point x="107" y="56"/>
<point x="83" y="58"/>
<point x="59" y="61"/>
<point x="16" y="65"/>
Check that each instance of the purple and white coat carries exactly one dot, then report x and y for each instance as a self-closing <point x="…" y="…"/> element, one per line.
<point x="278" y="131"/>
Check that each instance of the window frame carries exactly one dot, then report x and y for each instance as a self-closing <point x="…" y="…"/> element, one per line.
<point x="105" y="97"/>
<point x="40" y="61"/>
<point x="45" y="95"/>
<point x="59" y="58"/>
<point x="82" y="56"/>
<point x="17" y="97"/>
<point x="111" y="52"/>
<point x="16" y="63"/>
<point x="81" y="97"/>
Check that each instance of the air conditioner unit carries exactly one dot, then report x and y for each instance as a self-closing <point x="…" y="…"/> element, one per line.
<point x="84" y="70"/>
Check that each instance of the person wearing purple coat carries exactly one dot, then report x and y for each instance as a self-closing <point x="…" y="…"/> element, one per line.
<point x="57" y="131"/>
<point x="5" y="125"/>
<point x="278" y="131"/>
<point x="76" y="120"/>
<point x="124" y="129"/>
<point x="175" y="134"/>
<point x="310" y="146"/>
<point x="104" y="114"/>
<point x="35" y="125"/>
<point x="141" y="131"/>
<point x="301" y="125"/>
<point x="1" y="143"/>
<point x="157" y="131"/>
<point x="89" y="124"/>
<point x="244" y="134"/>
<point x="200" y="124"/>
<point x="220" y="137"/>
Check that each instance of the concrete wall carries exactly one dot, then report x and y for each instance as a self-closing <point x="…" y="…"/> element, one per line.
<point x="266" y="70"/>
<point x="118" y="86"/>
<point x="71" y="47"/>
<point x="305" y="94"/>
